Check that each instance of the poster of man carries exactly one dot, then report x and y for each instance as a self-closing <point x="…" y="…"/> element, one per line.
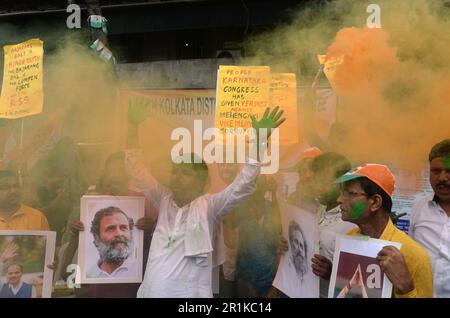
<point x="111" y="248"/>
<point x="294" y="276"/>
<point x="24" y="256"/>
<point x="356" y="273"/>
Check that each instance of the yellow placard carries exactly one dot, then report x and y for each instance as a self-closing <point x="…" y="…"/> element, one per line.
<point x="241" y="91"/>
<point x="22" y="90"/>
<point x="283" y="93"/>
<point x="330" y="66"/>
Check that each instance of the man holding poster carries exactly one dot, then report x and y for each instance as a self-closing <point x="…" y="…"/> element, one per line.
<point x="365" y="200"/>
<point x="294" y="276"/>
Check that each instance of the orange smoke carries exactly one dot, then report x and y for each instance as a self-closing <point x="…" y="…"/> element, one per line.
<point x="366" y="59"/>
<point x="393" y="110"/>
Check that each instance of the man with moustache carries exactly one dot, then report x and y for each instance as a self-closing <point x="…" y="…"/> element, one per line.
<point x="430" y="218"/>
<point x="113" y="181"/>
<point x="113" y="238"/>
<point x="366" y="200"/>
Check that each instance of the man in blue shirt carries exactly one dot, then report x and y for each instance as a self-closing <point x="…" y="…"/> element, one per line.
<point x="259" y="231"/>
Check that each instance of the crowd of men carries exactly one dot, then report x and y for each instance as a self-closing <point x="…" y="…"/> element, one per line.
<point x="347" y="200"/>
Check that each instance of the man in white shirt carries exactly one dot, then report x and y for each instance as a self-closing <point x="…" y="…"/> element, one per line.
<point x="430" y="218"/>
<point x="181" y="255"/>
<point x="112" y="231"/>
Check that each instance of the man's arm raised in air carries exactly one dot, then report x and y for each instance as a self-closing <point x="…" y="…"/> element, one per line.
<point x="140" y="177"/>
<point x="245" y="182"/>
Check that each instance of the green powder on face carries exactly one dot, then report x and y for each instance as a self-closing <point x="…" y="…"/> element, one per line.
<point x="357" y="211"/>
<point x="446" y="162"/>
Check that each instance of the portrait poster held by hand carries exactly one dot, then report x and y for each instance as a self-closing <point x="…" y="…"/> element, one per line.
<point x="294" y="276"/>
<point x="24" y="256"/>
<point x="356" y="272"/>
<point x="111" y="247"/>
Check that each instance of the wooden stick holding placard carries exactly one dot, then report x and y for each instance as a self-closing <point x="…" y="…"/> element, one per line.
<point x="21" y="159"/>
<point x="316" y="78"/>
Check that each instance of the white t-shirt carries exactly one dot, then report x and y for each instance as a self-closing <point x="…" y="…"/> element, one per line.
<point x="430" y="227"/>
<point x="128" y="269"/>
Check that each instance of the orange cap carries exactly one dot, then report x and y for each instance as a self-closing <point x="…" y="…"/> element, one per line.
<point x="2" y="165"/>
<point x="311" y="153"/>
<point x="380" y="174"/>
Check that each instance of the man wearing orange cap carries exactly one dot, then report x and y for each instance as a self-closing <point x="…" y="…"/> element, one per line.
<point x="13" y="214"/>
<point x="365" y="200"/>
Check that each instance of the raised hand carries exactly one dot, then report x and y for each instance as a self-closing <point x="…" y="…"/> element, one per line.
<point x="269" y="120"/>
<point x="9" y="252"/>
<point x="137" y="111"/>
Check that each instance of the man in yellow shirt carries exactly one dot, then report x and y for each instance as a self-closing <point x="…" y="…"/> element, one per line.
<point x="366" y="200"/>
<point x="13" y="214"/>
